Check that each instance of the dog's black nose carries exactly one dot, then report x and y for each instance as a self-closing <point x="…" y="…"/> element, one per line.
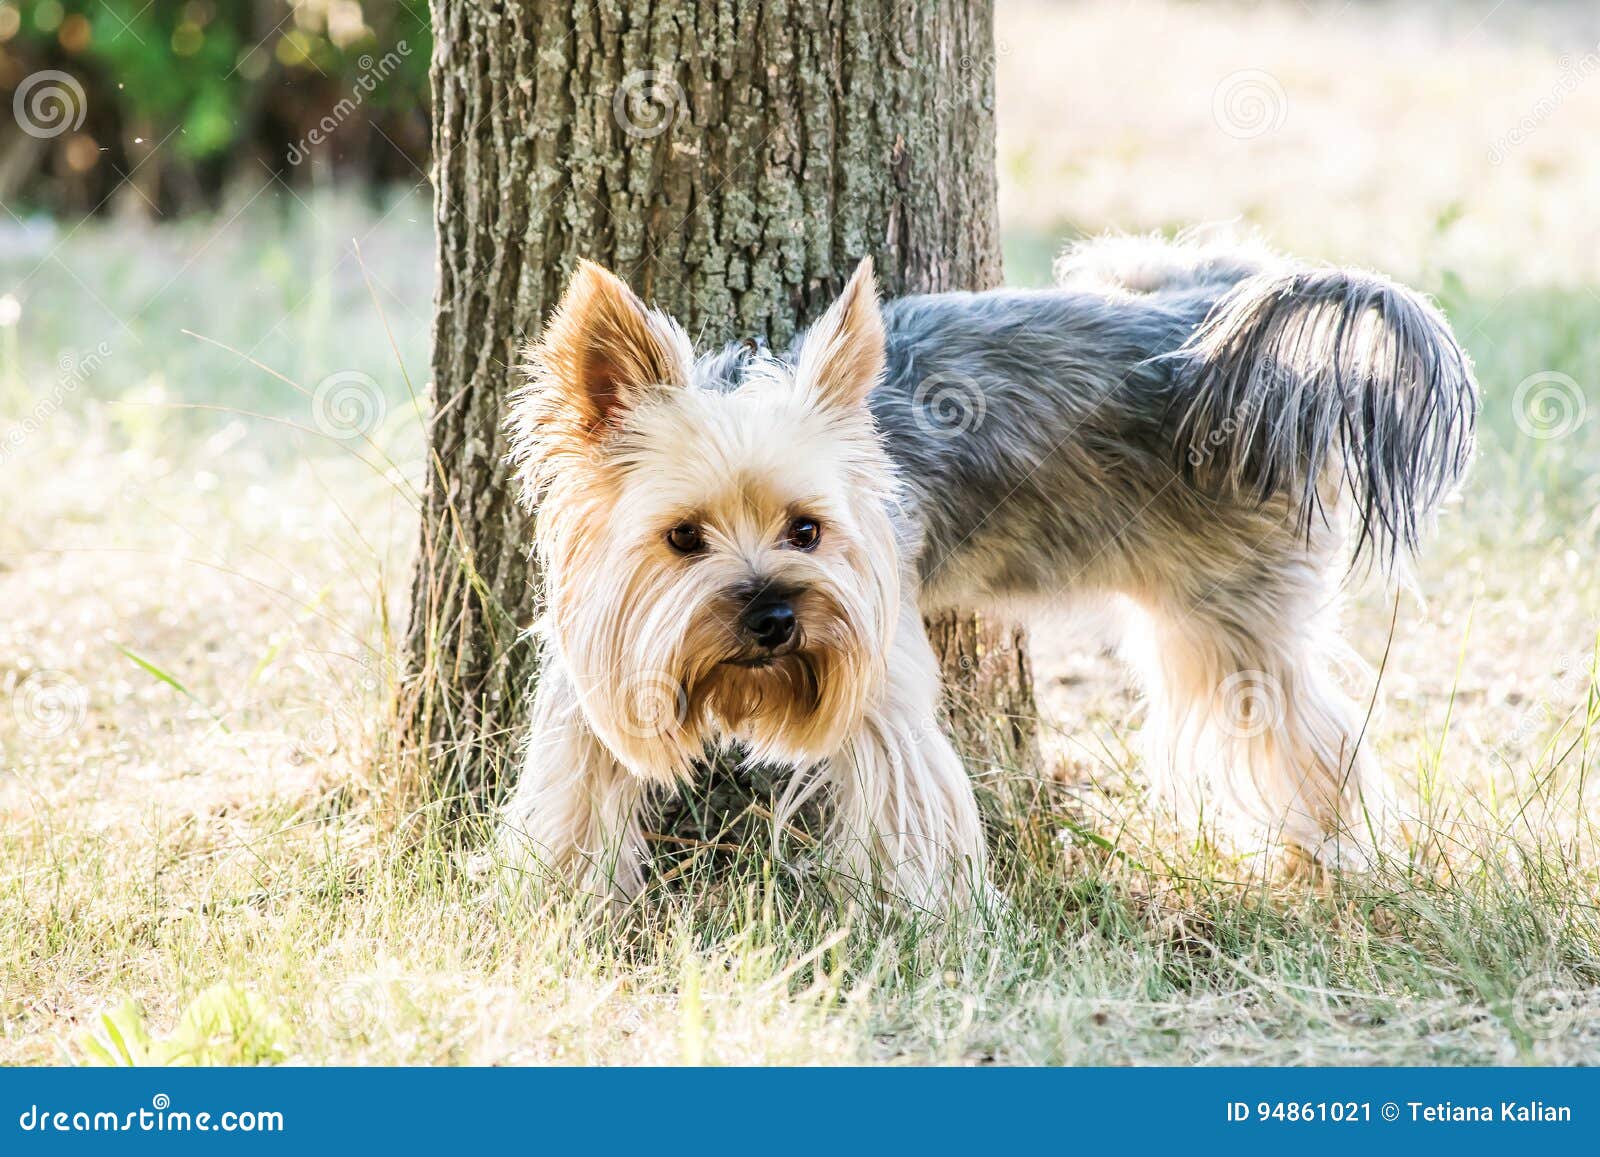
<point x="769" y="622"/>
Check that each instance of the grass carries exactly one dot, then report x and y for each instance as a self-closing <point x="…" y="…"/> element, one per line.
<point x="201" y="856"/>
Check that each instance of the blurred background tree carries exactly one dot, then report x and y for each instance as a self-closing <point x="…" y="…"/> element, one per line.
<point x="183" y="97"/>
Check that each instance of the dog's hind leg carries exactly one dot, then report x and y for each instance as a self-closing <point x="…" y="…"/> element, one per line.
<point x="905" y="820"/>
<point x="1250" y="736"/>
<point x="574" y="815"/>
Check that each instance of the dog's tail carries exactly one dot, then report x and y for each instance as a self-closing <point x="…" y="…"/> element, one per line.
<point x="1294" y="376"/>
<point x="1201" y="258"/>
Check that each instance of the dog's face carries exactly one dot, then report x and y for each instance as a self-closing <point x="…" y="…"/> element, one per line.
<point x="717" y="562"/>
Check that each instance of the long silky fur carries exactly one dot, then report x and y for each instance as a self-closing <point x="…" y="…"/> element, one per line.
<point x="1292" y="373"/>
<point x="1181" y="427"/>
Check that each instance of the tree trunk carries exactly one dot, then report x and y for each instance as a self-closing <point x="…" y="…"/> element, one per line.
<point x="732" y="162"/>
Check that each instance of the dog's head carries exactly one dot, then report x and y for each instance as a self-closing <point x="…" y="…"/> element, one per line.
<point x="717" y="561"/>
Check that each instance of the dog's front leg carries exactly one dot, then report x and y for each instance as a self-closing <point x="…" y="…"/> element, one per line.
<point x="574" y="816"/>
<point x="905" y="819"/>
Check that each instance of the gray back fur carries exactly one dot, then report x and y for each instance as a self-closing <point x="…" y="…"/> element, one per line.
<point x="1095" y="433"/>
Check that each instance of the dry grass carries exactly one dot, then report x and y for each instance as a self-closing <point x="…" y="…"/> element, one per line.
<point x="1416" y="138"/>
<point x="196" y="652"/>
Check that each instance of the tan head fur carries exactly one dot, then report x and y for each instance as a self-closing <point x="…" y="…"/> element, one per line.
<point x="718" y="564"/>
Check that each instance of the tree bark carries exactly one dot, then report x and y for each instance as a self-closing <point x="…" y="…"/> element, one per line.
<point x="732" y="162"/>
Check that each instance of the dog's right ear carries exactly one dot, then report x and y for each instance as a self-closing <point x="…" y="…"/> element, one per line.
<point x="603" y="350"/>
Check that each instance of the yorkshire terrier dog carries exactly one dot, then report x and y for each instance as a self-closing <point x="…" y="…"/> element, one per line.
<point x="738" y="548"/>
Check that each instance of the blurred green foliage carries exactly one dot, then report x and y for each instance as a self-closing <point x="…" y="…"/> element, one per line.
<point x="216" y="82"/>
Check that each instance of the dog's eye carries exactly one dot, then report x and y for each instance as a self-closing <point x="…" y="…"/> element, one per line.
<point x="803" y="533"/>
<point x="685" y="538"/>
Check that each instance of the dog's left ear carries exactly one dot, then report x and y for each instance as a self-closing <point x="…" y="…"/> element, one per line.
<point x="842" y="358"/>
